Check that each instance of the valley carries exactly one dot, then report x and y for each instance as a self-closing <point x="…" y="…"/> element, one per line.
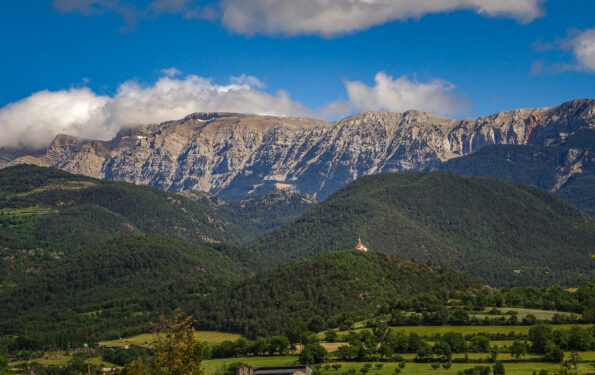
<point x="483" y="242"/>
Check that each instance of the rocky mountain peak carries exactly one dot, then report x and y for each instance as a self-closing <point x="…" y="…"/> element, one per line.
<point x="235" y="155"/>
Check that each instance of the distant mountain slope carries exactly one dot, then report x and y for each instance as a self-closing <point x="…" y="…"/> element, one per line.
<point x="258" y="213"/>
<point x="567" y="169"/>
<point x="499" y="232"/>
<point x="335" y="285"/>
<point x="47" y="214"/>
<point x="236" y="155"/>
<point x="113" y="289"/>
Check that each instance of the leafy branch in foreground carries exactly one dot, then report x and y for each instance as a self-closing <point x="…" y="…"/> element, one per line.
<point x="176" y="351"/>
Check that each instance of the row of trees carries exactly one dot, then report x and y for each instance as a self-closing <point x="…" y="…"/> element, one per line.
<point x="383" y="343"/>
<point x="453" y="307"/>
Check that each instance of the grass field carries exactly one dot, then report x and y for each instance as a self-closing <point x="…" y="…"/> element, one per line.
<point x="429" y="331"/>
<point x="146" y="339"/>
<point x="388" y="368"/>
<point x="522" y="313"/>
<point x="25" y="211"/>
<point x="61" y="359"/>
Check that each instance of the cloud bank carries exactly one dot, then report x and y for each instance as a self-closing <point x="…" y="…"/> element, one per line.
<point x="322" y="17"/>
<point x="34" y="121"/>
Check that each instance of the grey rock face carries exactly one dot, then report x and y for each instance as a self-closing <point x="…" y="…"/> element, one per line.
<point x="235" y="155"/>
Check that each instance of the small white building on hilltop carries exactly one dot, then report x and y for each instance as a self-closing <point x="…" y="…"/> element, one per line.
<point x="360" y="246"/>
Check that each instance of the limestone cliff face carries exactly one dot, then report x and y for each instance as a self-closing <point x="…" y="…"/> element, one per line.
<point x="235" y="155"/>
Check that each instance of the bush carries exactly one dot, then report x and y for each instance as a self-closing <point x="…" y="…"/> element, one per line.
<point x="498" y="368"/>
<point x="313" y="353"/>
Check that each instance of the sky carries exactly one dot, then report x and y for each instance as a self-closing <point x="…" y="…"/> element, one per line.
<point x="91" y="67"/>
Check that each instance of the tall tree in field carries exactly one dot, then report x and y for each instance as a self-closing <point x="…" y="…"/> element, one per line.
<point x="518" y="349"/>
<point x="176" y="351"/>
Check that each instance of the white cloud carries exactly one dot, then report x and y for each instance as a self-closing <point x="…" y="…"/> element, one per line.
<point x="170" y="72"/>
<point x="247" y="80"/>
<point x="333" y="17"/>
<point x="34" y="121"/>
<point x="295" y="17"/>
<point x="583" y="48"/>
<point x="399" y="95"/>
<point x="579" y="43"/>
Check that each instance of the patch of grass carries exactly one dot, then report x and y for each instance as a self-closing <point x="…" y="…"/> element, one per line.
<point x="63" y="185"/>
<point x="146" y="339"/>
<point x="61" y="359"/>
<point x="521" y="313"/>
<point x="26" y="211"/>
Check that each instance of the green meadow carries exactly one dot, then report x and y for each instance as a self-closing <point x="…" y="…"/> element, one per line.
<point x="429" y="331"/>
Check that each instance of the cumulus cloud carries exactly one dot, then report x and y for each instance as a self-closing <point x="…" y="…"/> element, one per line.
<point x="323" y="17"/>
<point x="34" y="121"/>
<point x="582" y="45"/>
<point x="579" y="43"/>
<point x="170" y="72"/>
<point x="332" y="17"/>
<point x="399" y="95"/>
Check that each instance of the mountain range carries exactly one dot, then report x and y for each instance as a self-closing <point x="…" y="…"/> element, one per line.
<point x="207" y="212"/>
<point x="236" y="155"/>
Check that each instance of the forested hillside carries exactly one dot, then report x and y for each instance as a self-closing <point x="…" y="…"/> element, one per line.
<point x="47" y="214"/>
<point x="567" y="169"/>
<point x="335" y="286"/>
<point x="500" y="232"/>
<point x="112" y="290"/>
<point x="258" y="213"/>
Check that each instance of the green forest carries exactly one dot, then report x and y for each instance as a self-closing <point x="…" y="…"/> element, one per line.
<point x="539" y="166"/>
<point x="520" y="235"/>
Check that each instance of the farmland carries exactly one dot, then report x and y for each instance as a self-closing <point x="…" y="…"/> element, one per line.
<point x="430" y="331"/>
<point x="388" y="368"/>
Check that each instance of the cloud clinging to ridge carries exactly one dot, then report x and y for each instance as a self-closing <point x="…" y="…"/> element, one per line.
<point x="322" y="17"/>
<point x="399" y="95"/>
<point x="34" y="121"/>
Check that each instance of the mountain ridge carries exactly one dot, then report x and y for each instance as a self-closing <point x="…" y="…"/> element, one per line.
<point x="237" y="155"/>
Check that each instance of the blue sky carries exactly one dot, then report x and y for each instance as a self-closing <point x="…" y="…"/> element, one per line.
<point x="107" y="59"/>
